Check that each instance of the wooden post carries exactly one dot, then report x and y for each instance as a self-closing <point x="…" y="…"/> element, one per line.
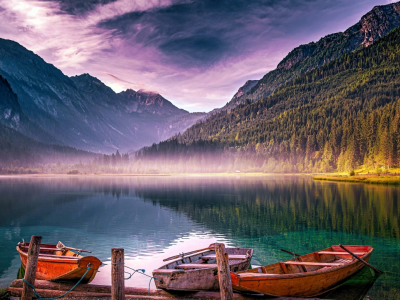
<point x="31" y="265"/>
<point x="224" y="275"/>
<point x="117" y="274"/>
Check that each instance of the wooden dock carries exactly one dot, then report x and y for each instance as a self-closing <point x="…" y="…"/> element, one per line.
<point x="50" y="289"/>
<point x="117" y="290"/>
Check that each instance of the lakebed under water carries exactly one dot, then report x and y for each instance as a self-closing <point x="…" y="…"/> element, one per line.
<point x="156" y="217"/>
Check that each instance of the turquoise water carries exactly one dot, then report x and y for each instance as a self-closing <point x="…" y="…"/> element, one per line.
<point x="156" y="217"/>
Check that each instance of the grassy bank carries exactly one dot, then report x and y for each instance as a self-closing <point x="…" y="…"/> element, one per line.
<point x="4" y="294"/>
<point x="373" y="179"/>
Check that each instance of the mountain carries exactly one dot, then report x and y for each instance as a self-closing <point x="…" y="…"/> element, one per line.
<point x="141" y="118"/>
<point x="19" y="150"/>
<point x="16" y="148"/>
<point x="10" y="111"/>
<point x="81" y="111"/>
<point x="339" y="116"/>
<point x="373" y="25"/>
<point x="236" y="98"/>
<point x="150" y="102"/>
<point x="11" y="115"/>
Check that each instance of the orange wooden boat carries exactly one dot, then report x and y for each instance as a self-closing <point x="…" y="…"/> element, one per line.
<point x="59" y="263"/>
<point x="308" y="275"/>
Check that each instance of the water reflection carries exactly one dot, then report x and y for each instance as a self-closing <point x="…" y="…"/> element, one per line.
<point x="155" y="217"/>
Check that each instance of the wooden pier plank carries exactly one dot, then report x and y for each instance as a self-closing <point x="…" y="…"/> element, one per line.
<point x="31" y="265"/>
<point x="50" y="289"/>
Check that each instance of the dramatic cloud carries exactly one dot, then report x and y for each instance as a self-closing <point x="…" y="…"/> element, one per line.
<point x="196" y="53"/>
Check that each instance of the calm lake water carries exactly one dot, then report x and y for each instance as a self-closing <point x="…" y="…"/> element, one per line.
<point x="156" y="217"/>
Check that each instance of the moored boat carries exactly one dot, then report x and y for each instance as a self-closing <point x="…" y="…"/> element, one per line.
<point x="307" y="275"/>
<point x="196" y="270"/>
<point x="59" y="263"/>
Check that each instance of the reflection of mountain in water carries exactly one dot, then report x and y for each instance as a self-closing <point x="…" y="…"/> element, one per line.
<point x="87" y="213"/>
<point x="146" y="215"/>
<point x="253" y="208"/>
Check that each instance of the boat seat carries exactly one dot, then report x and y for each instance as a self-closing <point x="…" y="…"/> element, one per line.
<point x="43" y="248"/>
<point x="339" y="253"/>
<point x="213" y="256"/>
<point x="196" y="266"/>
<point x="59" y="256"/>
<point x="306" y="263"/>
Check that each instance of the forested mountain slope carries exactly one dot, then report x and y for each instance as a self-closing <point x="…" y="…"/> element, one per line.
<point x="18" y="150"/>
<point x="336" y="117"/>
<point x="373" y="25"/>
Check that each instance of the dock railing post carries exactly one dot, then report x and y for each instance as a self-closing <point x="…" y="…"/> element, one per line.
<point x="31" y="265"/>
<point x="224" y="275"/>
<point x="117" y="274"/>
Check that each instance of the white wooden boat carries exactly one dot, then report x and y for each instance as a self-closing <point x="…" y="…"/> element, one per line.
<point x="197" y="270"/>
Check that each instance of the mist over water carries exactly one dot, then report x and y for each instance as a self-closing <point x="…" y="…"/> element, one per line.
<point x="156" y="217"/>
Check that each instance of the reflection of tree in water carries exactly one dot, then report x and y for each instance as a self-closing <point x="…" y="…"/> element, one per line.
<point x="245" y="207"/>
<point x="265" y="213"/>
<point x="295" y="213"/>
<point x="254" y="208"/>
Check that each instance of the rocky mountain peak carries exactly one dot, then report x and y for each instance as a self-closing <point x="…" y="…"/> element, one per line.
<point x="129" y="92"/>
<point x="379" y="21"/>
<point x="147" y="92"/>
<point x="373" y="25"/>
<point x="245" y="88"/>
<point x="148" y="101"/>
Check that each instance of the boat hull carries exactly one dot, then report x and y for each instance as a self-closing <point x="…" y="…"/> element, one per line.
<point x="196" y="279"/>
<point x="302" y="284"/>
<point x="63" y="269"/>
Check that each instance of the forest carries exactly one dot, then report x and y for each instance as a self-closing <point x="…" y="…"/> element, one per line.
<point x="338" y="117"/>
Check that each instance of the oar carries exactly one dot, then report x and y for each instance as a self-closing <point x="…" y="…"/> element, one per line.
<point x="290" y="252"/>
<point x="79" y="250"/>
<point x="60" y="245"/>
<point x="360" y="259"/>
<point x="191" y="252"/>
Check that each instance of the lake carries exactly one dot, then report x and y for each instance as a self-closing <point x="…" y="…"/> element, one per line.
<point x="156" y="217"/>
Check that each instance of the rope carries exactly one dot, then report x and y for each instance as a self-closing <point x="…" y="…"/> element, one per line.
<point x="58" y="297"/>
<point x="139" y="271"/>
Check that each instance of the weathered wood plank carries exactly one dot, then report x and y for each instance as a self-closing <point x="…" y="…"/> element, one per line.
<point x="339" y="253"/>
<point x="31" y="265"/>
<point x="117" y="274"/>
<point x="211" y="256"/>
<point x="305" y="263"/>
<point x="224" y="273"/>
<point x="196" y="266"/>
<point x="50" y="289"/>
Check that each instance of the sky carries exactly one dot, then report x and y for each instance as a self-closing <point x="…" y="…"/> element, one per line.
<point x="196" y="53"/>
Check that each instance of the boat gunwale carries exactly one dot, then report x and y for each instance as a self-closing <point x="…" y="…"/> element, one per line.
<point x="259" y="276"/>
<point x="59" y="259"/>
<point x="161" y="269"/>
<point x="74" y="262"/>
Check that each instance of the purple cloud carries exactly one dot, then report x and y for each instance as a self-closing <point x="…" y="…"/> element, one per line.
<point x="195" y="53"/>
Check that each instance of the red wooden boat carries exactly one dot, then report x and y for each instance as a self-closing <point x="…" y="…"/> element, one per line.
<point x="308" y="275"/>
<point x="59" y="263"/>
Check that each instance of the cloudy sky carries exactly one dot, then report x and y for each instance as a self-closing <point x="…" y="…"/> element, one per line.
<point x="196" y="53"/>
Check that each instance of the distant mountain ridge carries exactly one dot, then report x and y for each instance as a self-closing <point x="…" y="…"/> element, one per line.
<point x="151" y="102"/>
<point x="81" y="111"/>
<point x="373" y="25"/>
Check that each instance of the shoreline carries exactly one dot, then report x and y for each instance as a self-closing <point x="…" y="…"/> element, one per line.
<point x="155" y="175"/>
<point x="368" y="179"/>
